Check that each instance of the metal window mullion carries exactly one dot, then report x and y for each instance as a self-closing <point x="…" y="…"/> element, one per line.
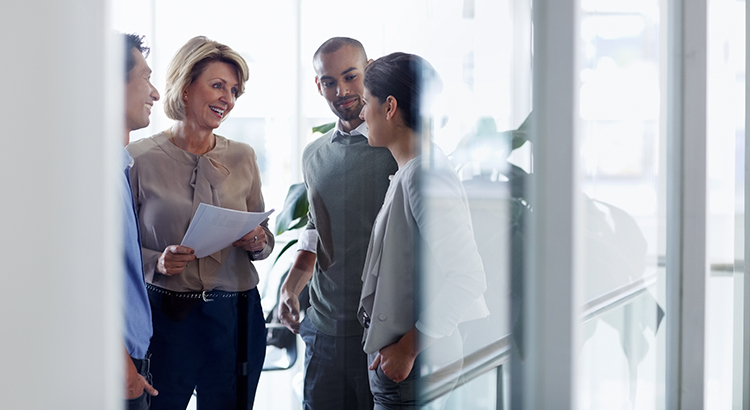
<point x="551" y="301"/>
<point x="686" y="204"/>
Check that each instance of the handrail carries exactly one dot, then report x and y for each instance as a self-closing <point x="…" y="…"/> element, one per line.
<point x="498" y="353"/>
<point x="716" y="269"/>
<point x="474" y="365"/>
<point x="616" y="297"/>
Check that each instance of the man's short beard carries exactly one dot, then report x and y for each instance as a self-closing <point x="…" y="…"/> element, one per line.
<point x="350" y="114"/>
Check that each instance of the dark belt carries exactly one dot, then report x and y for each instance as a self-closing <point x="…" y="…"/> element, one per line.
<point x="142" y="365"/>
<point x="206" y="295"/>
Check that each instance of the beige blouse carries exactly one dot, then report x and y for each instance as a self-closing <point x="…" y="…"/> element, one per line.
<point x="168" y="185"/>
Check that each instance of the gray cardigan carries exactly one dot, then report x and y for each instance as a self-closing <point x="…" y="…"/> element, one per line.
<point x="425" y="214"/>
<point x="346" y="181"/>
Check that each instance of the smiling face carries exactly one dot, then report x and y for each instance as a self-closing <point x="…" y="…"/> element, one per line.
<point x="210" y="98"/>
<point x="340" y="80"/>
<point x="140" y="94"/>
<point x="374" y="114"/>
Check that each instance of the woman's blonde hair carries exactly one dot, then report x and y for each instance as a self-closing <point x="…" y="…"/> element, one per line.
<point x="189" y="63"/>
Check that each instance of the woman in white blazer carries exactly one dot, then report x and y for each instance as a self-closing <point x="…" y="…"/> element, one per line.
<point x="423" y="275"/>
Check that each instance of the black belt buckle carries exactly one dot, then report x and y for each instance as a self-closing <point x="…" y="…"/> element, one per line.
<point x="142" y="366"/>
<point x="146" y="364"/>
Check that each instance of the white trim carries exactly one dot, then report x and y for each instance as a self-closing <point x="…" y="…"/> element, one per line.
<point x="745" y="380"/>
<point x="297" y="142"/>
<point x="551" y="299"/>
<point x="62" y="243"/>
<point x="521" y="78"/>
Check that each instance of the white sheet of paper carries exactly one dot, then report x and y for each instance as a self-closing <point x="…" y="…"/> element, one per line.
<point x="213" y="228"/>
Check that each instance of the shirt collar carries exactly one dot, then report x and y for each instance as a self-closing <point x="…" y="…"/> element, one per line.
<point x="127" y="160"/>
<point x="339" y="131"/>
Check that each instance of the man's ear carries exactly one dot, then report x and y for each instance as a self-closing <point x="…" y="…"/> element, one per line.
<point x="368" y="62"/>
<point x="391" y="106"/>
<point x="317" y="84"/>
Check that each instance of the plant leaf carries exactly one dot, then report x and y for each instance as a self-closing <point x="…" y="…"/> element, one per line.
<point x="300" y="224"/>
<point x="295" y="207"/>
<point x="324" y="128"/>
<point x="523" y="133"/>
<point x="287" y="246"/>
<point x="518" y="139"/>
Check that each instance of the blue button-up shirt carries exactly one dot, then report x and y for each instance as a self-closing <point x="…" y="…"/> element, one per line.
<point x="138" y="328"/>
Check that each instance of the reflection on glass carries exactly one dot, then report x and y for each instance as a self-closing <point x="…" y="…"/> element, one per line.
<point x="725" y="227"/>
<point x="481" y="49"/>
<point x="620" y="137"/>
<point x="500" y="214"/>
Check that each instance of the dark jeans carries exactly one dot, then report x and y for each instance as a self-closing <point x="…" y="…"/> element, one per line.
<point x="335" y="371"/>
<point x="196" y="346"/>
<point x="445" y="353"/>
<point x="144" y="401"/>
<point x="391" y="395"/>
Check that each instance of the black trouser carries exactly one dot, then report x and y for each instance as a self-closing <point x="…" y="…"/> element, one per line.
<point x="196" y="346"/>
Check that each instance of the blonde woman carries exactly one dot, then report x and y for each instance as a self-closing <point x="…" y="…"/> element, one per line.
<point x="209" y="330"/>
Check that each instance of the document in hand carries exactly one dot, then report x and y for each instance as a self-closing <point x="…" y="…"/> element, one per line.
<point x="213" y="229"/>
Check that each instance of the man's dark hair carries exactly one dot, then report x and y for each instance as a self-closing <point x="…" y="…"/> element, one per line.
<point x="408" y="78"/>
<point x="335" y="43"/>
<point x="133" y="41"/>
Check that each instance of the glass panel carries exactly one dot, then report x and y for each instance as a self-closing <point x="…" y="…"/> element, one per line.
<point x="622" y="362"/>
<point x="725" y="162"/>
<point x="481" y="50"/>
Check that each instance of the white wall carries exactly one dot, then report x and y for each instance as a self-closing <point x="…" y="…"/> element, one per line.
<point x="58" y="337"/>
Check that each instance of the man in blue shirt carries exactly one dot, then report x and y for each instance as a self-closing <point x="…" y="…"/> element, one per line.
<point x="140" y="95"/>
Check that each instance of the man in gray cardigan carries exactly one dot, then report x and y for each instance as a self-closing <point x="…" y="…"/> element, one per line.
<point x="346" y="182"/>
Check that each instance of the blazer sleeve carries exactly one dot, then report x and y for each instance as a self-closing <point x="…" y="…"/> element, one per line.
<point x="453" y="280"/>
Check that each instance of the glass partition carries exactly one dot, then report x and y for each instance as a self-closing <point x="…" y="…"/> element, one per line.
<point x="481" y="50"/>
<point x="622" y="138"/>
<point x="725" y="233"/>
